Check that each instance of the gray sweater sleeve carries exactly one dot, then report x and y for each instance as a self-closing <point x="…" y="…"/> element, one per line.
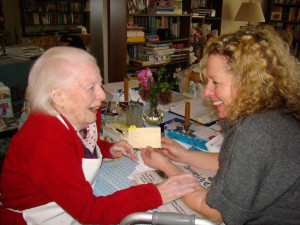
<point x="259" y="171"/>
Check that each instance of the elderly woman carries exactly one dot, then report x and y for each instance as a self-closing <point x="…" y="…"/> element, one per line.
<point x="53" y="161"/>
<point x="254" y="83"/>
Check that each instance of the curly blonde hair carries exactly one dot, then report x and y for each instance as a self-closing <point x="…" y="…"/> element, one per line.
<point x="265" y="73"/>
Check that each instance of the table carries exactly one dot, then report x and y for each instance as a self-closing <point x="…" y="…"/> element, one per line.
<point x="14" y="72"/>
<point x="113" y="176"/>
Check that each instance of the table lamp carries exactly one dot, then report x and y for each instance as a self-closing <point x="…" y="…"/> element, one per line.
<point x="251" y="12"/>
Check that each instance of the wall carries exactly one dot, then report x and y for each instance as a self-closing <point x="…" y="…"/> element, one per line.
<point x="230" y="8"/>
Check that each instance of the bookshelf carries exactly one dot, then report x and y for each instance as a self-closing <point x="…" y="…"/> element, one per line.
<point x="163" y="26"/>
<point x="285" y="15"/>
<point x="53" y="16"/>
<point x="112" y="16"/>
<point x="206" y="15"/>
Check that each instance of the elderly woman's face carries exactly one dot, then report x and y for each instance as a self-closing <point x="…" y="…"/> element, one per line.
<point x="220" y="86"/>
<point x="84" y="97"/>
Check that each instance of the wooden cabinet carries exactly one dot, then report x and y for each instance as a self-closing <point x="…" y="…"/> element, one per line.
<point x="285" y="15"/>
<point x="53" y="16"/>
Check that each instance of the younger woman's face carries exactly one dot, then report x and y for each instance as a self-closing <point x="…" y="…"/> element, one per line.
<point x="220" y="86"/>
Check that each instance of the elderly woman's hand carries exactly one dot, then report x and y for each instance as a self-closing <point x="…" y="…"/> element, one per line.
<point x="177" y="186"/>
<point x="122" y="148"/>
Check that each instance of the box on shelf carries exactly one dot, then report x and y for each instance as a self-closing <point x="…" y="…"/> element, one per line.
<point x="6" y="109"/>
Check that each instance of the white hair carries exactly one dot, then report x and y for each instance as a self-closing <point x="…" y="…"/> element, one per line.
<point x="54" y="69"/>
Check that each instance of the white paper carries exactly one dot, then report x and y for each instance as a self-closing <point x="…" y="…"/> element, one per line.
<point x="148" y="175"/>
<point x="143" y="137"/>
<point x="214" y="144"/>
<point x="201" y="111"/>
<point x="205" y="133"/>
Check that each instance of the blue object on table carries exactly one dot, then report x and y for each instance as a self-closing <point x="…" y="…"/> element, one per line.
<point x="113" y="176"/>
<point x="196" y="142"/>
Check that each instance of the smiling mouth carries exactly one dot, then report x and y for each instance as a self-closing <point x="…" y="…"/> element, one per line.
<point x="218" y="103"/>
<point x="94" y="108"/>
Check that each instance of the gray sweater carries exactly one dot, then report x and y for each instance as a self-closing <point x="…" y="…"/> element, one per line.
<point x="258" y="179"/>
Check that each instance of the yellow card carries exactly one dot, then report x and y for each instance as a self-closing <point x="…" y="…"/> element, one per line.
<point x="143" y="137"/>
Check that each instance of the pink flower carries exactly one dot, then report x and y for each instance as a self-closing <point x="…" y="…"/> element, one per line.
<point x="144" y="76"/>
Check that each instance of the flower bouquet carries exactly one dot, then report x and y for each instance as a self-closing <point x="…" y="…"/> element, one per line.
<point x="154" y="92"/>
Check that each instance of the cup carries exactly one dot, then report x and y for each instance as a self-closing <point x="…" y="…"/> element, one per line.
<point x="131" y="114"/>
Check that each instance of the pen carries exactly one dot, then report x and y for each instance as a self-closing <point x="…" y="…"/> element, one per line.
<point x="120" y="131"/>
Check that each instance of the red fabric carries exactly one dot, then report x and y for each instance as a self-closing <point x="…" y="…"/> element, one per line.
<point x="43" y="164"/>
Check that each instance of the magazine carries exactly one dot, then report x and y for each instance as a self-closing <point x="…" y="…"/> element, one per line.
<point x="155" y="176"/>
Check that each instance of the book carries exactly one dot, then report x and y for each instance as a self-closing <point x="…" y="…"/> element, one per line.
<point x="151" y="37"/>
<point x="161" y="10"/>
<point x="140" y="62"/>
<point x="135" y="33"/>
<point x="160" y="52"/>
<point x="155" y="48"/>
<point x="159" y="44"/>
<point x="159" y="59"/>
<point x="136" y="39"/>
<point x="146" y="57"/>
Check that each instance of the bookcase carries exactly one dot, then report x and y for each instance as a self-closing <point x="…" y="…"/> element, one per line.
<point x="41" y="17"/>
<point x="166" y="35"/>
<point x="285" y="15"/>
<point x="206" y="17"/>
<point x="114" y="15"/>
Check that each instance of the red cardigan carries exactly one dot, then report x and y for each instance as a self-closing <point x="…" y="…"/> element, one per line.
<point x="44" y="164"/>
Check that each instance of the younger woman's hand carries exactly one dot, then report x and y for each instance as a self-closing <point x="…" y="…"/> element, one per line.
<point x="173" y="150"/>
<point x="153" y="158"/>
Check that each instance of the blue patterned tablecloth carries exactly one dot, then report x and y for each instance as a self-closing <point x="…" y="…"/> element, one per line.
<point x="113" y="176"/>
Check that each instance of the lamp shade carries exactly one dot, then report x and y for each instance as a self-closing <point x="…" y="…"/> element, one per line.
<point x="251" y="12"/>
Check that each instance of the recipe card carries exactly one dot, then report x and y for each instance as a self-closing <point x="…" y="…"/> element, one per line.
<point x="143" y="137"/>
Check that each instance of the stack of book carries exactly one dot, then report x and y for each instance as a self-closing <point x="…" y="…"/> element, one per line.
<point x="156" y="47"/>
<point x="135" y="34"/>
<point x="180" y="54"/>
<point x="151" y="37"/>
<point x="160" y="56"/>
<point x="203" y="13"/>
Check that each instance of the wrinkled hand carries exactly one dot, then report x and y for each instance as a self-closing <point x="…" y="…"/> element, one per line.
<point x="122" y="148"/>
<point x="153" y="158"/>
<point x="177" y="186"/>
<point x="173" y="150"/>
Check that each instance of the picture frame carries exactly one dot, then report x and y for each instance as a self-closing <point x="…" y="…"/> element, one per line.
<point x="276" y="16"/>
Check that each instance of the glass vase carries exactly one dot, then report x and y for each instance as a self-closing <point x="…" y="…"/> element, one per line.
<point x="153" y="116"/>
